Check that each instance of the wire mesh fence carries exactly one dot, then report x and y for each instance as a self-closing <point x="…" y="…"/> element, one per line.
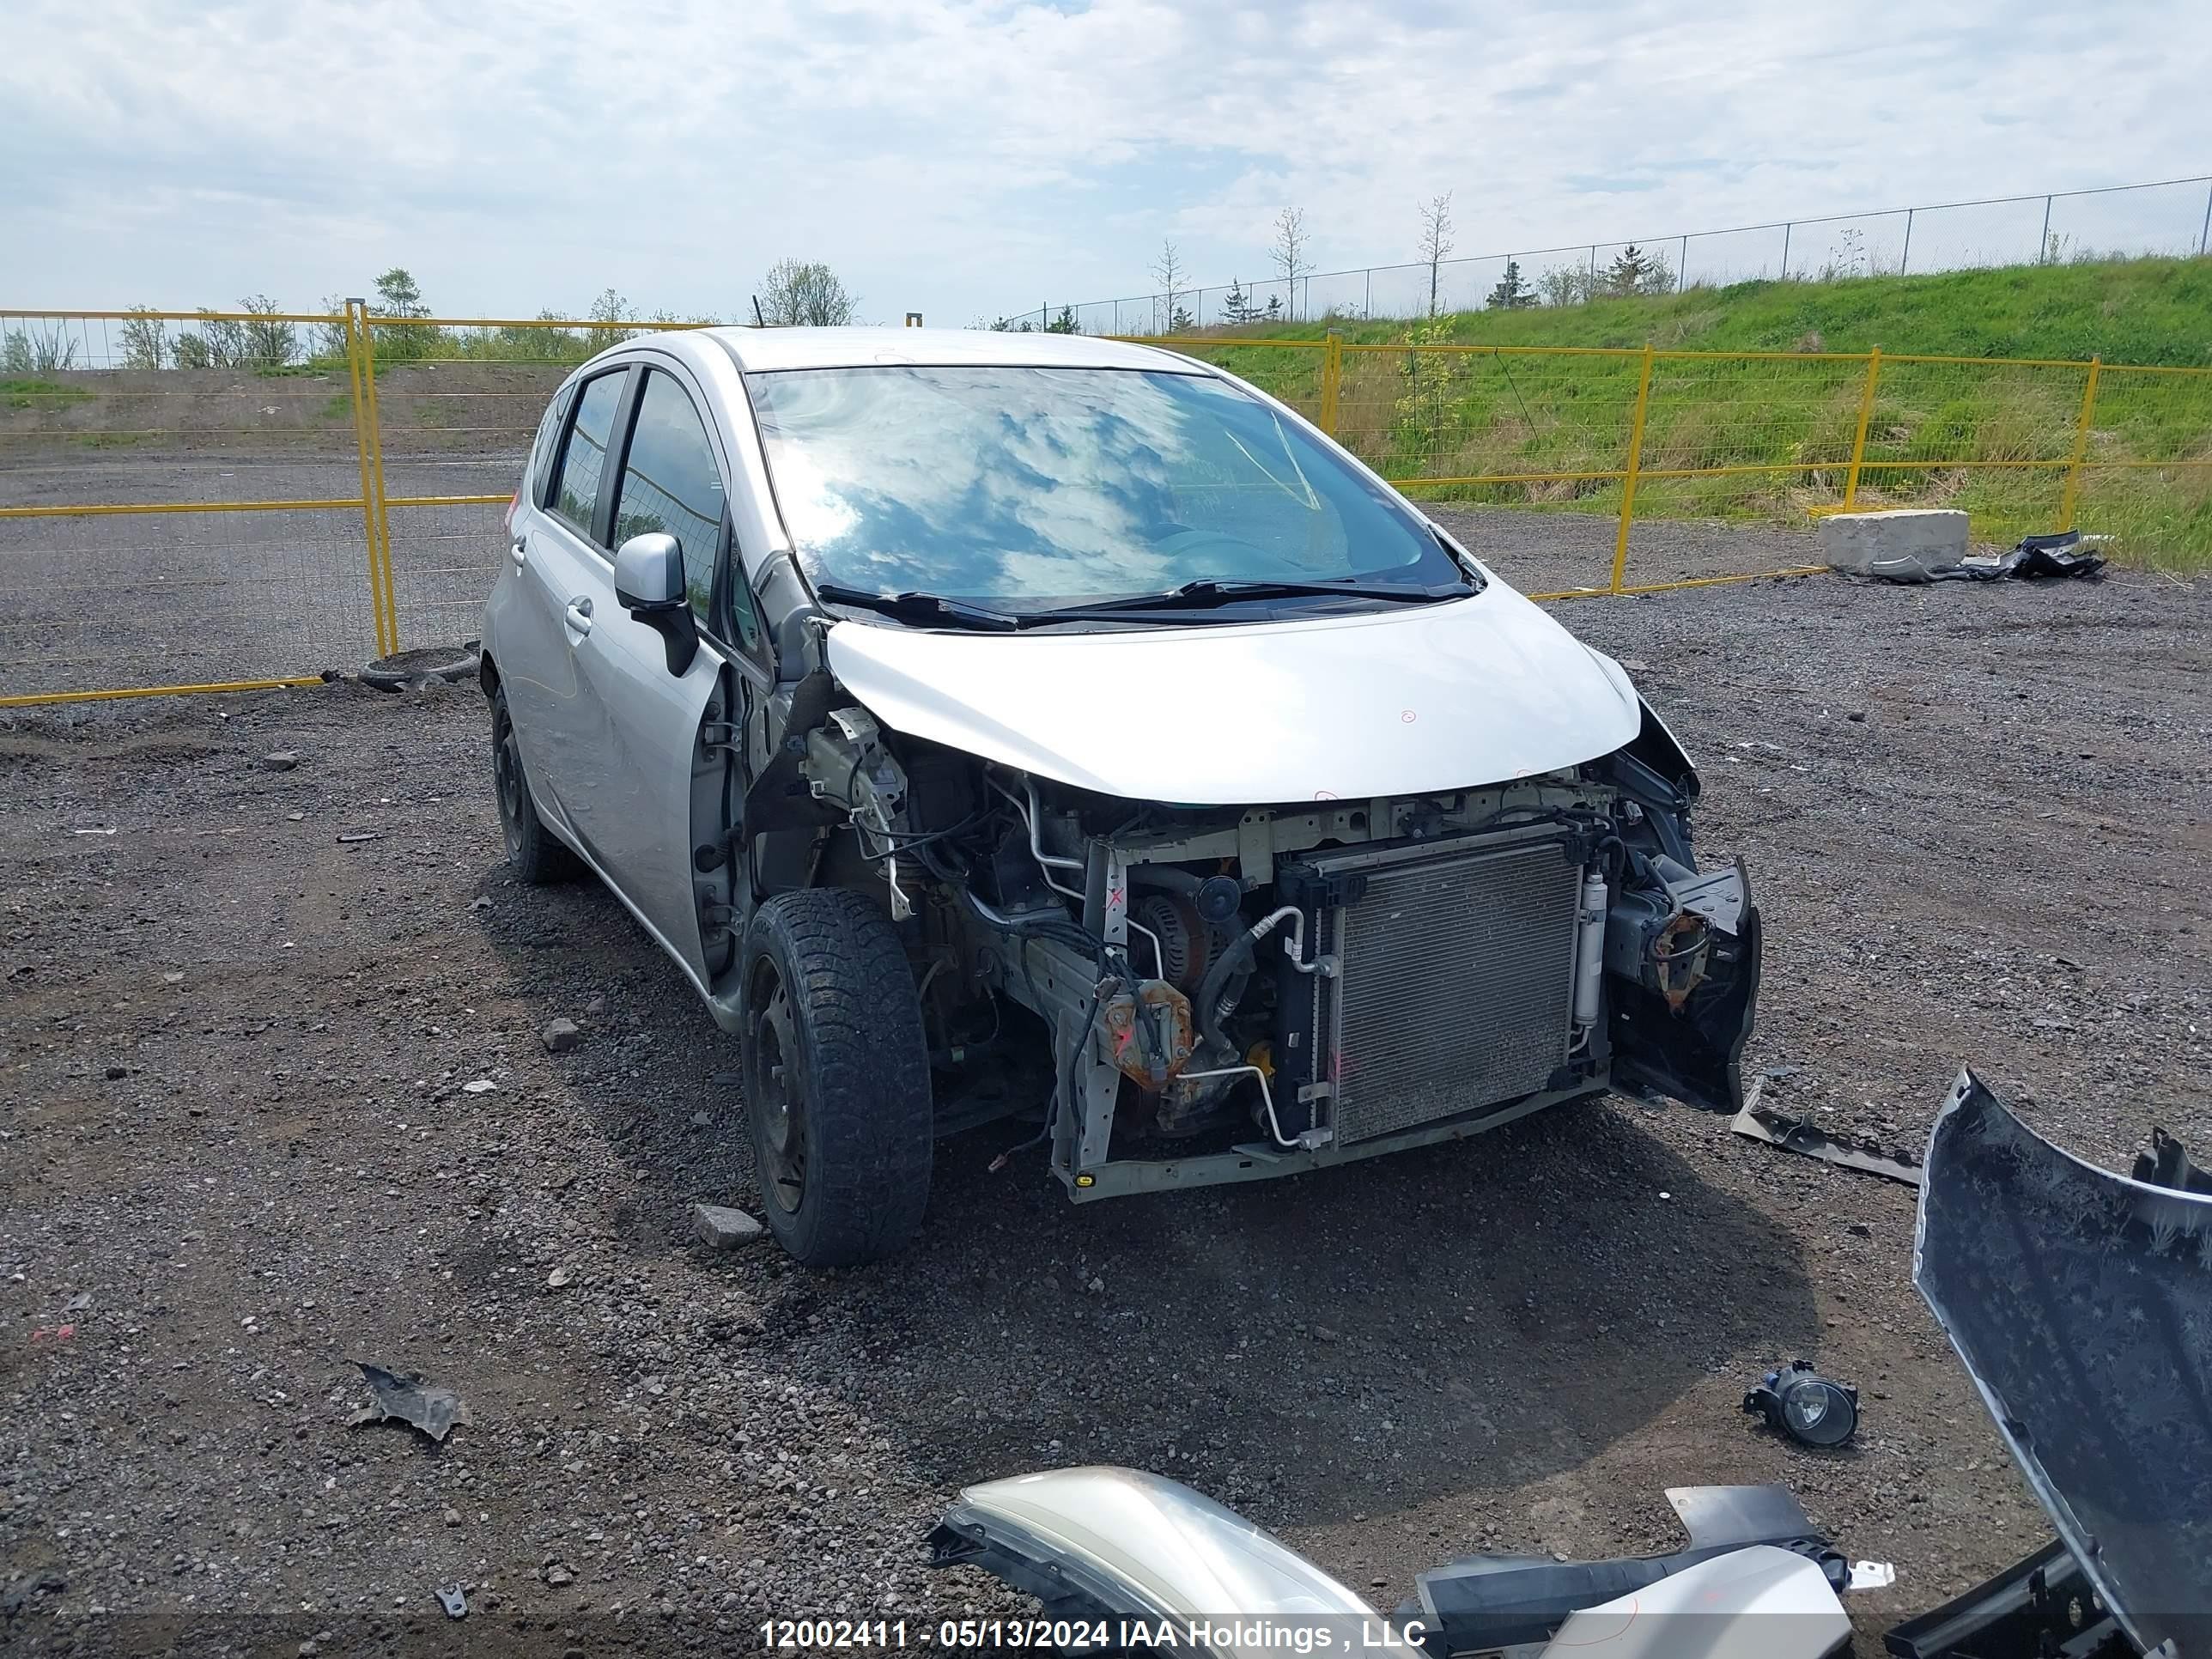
<point x="225" y="499"/>
<point x="1781" y="438"/>
<point x="458" y="402"/>
<point x="2169" y="217"/>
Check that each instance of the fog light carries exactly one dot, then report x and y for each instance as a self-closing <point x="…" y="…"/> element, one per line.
<point x="1804" y="1405"/>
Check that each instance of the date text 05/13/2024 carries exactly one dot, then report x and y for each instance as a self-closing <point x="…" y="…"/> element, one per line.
<point x="1243" y="1632"/>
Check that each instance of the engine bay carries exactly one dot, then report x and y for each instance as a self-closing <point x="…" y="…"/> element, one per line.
<point x="1207" y="992"/>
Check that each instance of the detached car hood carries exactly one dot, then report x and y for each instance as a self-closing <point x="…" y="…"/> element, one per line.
<point x="1410" y="700"/>
<point x="2080" y="1303"/>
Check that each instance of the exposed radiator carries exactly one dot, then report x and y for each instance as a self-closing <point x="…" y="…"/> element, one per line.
<point x="1457" y="981"/>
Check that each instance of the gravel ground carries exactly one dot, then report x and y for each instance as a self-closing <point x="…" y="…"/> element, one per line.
<point x="241" y="1153"/>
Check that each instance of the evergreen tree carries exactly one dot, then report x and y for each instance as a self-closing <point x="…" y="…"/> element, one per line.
<point x="1631" y="271"/>
<point x="1512" y="293"/>
<point x="1237" y="307"/>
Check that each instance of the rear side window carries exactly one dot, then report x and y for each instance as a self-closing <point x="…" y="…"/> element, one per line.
<point x="577" y="496"/>
<point x="672" y="482"/>
<point x="542" y="448"/>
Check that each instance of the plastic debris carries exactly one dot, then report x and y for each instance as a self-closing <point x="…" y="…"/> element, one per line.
<point x="455" y="1601"/>
<point x="1793" y="1134"/>
<point x="1871" y="1575"/>
<point x="430" y="1406"/>
<point x="2069" y="553"/>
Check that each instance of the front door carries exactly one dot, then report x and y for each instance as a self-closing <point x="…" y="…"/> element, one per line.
<point x="638" y="723"/>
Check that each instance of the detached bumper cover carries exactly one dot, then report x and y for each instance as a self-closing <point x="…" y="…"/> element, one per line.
<point x="2081" y="1302"/>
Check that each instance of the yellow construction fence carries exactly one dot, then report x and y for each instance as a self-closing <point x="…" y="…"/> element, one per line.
<point x="226" y="500"/>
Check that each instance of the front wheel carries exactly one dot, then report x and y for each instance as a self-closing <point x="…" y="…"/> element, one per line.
<point x="836" y="1078"/>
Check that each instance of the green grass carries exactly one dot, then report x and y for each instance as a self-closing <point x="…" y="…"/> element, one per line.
<point x="1939" y="434"/>
<point x="40" y="394"/>
<point x="2126" y="311"/>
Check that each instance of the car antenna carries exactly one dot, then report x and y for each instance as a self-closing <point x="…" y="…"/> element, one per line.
<point x="759" y="321"/>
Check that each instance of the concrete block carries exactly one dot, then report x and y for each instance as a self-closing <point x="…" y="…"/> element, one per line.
<point x="721" y="1228"/>
<point x="1935" y="539"/>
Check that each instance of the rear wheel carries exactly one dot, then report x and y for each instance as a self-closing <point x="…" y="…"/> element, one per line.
<point x="533" y="852"/>
<point x="836" y="1078"/>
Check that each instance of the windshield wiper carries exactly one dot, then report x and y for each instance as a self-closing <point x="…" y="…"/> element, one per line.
<point x="916" y="606"/>
<point x="1206" y="593"/>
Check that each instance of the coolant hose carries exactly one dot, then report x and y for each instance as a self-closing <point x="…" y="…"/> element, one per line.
<point x="1208" y="1004"/>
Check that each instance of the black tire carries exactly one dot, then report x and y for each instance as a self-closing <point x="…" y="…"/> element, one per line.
<point x="536" y="855"/>
<point x="836" y="1078"/>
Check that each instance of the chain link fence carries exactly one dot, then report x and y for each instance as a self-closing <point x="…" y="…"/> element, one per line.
<point x="1777" y="437"/>
<point x="2171" y="217"/>
<point x="236" y="500"/>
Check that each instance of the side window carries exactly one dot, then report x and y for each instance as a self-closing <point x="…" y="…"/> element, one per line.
<point x="542" y="448"/>
<point x="577" y="495"/>
<point x="671" y="482"/>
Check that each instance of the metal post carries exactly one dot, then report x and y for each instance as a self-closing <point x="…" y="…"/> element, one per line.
<point x="1368" y="310"/>
<point x="2042" y="247"/>
<point x="1593" y="273"/>
<point x="1858" y="437"/>
<point x="1331" y="380"/>
<point x="1904" y="258"/>
<point x="2205" y="234"/>
<point x="1635" y="464"/>
<point x="2073" y="489"/>
<point x="1786" y="229"/>
<point x="355" y="333"/>
<point x="1682" y="268"/>
<point x="375" y="428"/>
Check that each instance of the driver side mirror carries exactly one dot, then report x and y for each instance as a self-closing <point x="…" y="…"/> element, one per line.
<point x="649" y="585"/>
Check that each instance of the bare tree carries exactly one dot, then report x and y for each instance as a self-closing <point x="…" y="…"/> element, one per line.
<point x="1170" y="273"/>
<point x="800" y="294"/>
<point x="1435" y="239"/>
<point x="1289" y="251"/>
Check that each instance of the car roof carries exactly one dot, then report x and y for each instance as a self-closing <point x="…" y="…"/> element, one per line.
<point x="760" y="351"/>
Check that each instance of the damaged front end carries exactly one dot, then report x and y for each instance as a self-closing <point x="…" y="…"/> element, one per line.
<point x="1235" y="993"/>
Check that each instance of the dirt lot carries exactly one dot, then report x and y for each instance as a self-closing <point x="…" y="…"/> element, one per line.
<point x="236" y="1044"/>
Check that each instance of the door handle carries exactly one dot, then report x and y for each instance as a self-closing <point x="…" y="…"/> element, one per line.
<point x="519" y="549"/>
<point x="580" y="614"/>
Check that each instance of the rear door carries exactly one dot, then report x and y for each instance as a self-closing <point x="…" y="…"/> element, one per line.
<point x="636" y="724"/>
<point x="561" y="587"/>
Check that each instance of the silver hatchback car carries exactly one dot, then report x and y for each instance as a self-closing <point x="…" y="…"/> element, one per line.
<point x="1040" y="727"/>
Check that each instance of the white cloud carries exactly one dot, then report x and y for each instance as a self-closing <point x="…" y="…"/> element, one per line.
<point x="961" y="157"/>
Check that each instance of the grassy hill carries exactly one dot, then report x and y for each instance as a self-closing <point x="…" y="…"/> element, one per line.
<point x="1771" y="436"/>
<point x="2128" y="310"/>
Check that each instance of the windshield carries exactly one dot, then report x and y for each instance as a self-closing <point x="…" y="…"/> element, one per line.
<point x="1031" y="488"/>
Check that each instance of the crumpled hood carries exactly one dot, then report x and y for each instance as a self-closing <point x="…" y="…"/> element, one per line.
<point x="1406" y="701"/>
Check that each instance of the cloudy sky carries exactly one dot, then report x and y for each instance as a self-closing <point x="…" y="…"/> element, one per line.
<point x="968" y="159"/>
